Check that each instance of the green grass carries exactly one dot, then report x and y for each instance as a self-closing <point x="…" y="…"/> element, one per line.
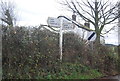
<point x="73" y="71"/>
<point x="87" y="75"/>
<point x="57" y="71"/>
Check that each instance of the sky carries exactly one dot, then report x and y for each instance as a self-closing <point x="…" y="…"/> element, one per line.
<point x="36" y="12"/>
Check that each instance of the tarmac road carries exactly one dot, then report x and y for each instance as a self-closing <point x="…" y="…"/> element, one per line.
<point x="113" y="77"/>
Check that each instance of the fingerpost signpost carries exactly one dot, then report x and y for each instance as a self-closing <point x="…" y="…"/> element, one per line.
<point x="65" y="23"/>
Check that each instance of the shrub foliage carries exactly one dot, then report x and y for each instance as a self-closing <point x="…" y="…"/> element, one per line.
<point x="34" y="53"/>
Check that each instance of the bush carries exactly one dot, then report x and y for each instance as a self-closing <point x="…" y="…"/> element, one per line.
<point x="34" y="53"/>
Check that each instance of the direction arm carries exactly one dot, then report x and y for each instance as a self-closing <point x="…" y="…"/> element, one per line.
<point x="76" y="23"/>
<point x="50" y="28"/>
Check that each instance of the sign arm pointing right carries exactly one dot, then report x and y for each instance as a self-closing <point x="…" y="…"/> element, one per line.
<point x="77" y="24"/>
<point x="80" y="26"/>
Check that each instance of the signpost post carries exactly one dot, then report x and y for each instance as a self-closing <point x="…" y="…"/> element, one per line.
<point x="61" y="38"/>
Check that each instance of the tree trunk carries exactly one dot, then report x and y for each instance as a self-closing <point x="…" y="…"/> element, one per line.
<point x="97" y="41"/>
<point x="96" y="23"/>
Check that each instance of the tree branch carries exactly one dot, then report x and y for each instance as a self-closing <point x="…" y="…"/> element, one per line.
<point x="86" y="11"/>
<point x="82" y="14"/>
<point x="108" y="31"/>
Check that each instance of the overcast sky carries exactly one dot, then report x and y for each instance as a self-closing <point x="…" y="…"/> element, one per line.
<point x="36" y="12"/>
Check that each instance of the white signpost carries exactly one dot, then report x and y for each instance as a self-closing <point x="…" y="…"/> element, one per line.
<point x="63" y="25"/>
<point x="67" y="24"/>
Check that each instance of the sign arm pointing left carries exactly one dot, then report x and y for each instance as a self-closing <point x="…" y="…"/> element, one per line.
<point x="50" y="28"/>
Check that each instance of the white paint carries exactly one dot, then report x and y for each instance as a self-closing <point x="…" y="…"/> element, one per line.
<point x="54" y="22"/>
<point x="89" y="34"/>
<point x="67" y="25"/>
<point x="61" y="38"/>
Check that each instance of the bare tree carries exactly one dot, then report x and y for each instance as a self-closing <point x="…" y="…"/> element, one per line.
<point x="98" y="12"/>
<point x="7" y="10"/>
